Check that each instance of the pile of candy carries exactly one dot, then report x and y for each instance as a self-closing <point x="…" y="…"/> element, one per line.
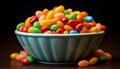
<point x="99" y="56"/>
<point x="60" y="21"/>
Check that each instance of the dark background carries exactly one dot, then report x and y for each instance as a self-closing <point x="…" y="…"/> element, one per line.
<point x="16" y="11"/>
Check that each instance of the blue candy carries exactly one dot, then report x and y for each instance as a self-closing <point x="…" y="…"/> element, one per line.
<point x="73" y="32"/>
<point x="88" y="18"/>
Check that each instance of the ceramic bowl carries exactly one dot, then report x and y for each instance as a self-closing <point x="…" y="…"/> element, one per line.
<point x="60" y="48"/>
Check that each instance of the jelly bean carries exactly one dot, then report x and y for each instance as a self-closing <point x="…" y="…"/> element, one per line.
<point x="103" y="27"/>
<point x="79" y="18"/>
<point x="54" y="27"/>
<point x="78" y="27"/>
<point x="66" y="12"/>
<point x="88" y="18"/>
<point x="64" y="20"/>
<point x="98" y="26"/>
<point x="30" y="58"/>
<point x="93" y="60"/>
<point x="59" y="15"/>
<point x="45" y="23"/>
<point x="19" y="25"/>
<point x="60" y="24"/>
<point x="59" y="31"/>
<point x="33" y="19"/>
<point x="73" y="32"/>
<point x="36" y="24"/>
<point x="72" y="16"/>
<point x="23" y="53"/>
<point x="30" y="29"/>
<point x="27" y="22"/>
<point x="107" y="55"/>
<point x="101" y="59"/>
<point x="93" y="29"/>
<point x="83" y="63"/>
<point x="44" y="28"/>
<point x="42" y="17"/>
<point x="72" y="23"/>
<point x="48" y="32"/>
<point x="83" y="30"/>
<point x="45" y="11"/>
<point x="38" y="13"/>
<point x="36" y="30"/>
<point x="70" y="10"/>
<point x="59" y="9"/>
<point x="91" y="24"/>
<point x="78" y="12"/>
<point x="25" y="61"/>
<point x="65" y="32"/>
<point x="23" y="29"/>
<point x="54" y="20"/>
<point x="68" y="28"/>
<point x="99" y="52"/>
<point x="14" y="55"/>
<point x="20" y="57"/>
<point x="50" y="14"/>
<point x="84" y="13"/>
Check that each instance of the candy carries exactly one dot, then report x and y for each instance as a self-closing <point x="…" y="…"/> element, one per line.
<point x="14" y="55"/>
<point x="19" y="25"/>
<point x="59" y="17"/>
<point x="83" y="63"/>
<point x="72" y="16"/>
<point x="93" y="60"/>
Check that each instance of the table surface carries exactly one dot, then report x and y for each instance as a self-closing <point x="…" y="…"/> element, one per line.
<point x="9" y="44"/>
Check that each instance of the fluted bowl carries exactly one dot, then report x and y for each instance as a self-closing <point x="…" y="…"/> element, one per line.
<point x="59" y="48"/>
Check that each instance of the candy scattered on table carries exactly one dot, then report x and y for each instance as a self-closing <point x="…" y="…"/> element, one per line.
<point x="60" y="20"/>
<point x="99" y="56"/>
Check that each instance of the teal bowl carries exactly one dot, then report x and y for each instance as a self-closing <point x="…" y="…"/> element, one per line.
<point x="59" y="48"/>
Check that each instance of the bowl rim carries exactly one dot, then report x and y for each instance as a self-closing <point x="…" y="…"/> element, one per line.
<point x="38" y="34"/>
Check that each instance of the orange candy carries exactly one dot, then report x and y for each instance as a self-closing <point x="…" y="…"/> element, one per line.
<point x="83" y="63"/>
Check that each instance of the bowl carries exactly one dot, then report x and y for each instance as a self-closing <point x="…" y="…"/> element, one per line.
<point x="60" y="48"/>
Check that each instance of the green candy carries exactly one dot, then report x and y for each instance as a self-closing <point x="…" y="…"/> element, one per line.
<point x="36" y="30"/>
<point x="30" y="58"/>
<point x="101" y="59"/>
<point x="19" y="25"/>
<point x="54" y="27"/>
<point x="66" y="12"/>
<point x="72" y="16"/>
<point x="36" y="24"/>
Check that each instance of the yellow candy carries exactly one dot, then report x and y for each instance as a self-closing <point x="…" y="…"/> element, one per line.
<point x="50" y="15"/>
<point x="30" y="30"/>
<point x="78" y="12"/>
<point x="93" y="29"/>
<point x="65" y="32"/>
<point x="93" y="61"/>
<point x="45" y="23"/>
<point x="59" y="9"/>
<point x="68" y="28"/>
<point x="27" y="22"/>
<point x="14" y="55"/>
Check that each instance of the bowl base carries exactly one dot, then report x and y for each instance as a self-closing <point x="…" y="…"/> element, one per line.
<point x="58" y="63"/>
